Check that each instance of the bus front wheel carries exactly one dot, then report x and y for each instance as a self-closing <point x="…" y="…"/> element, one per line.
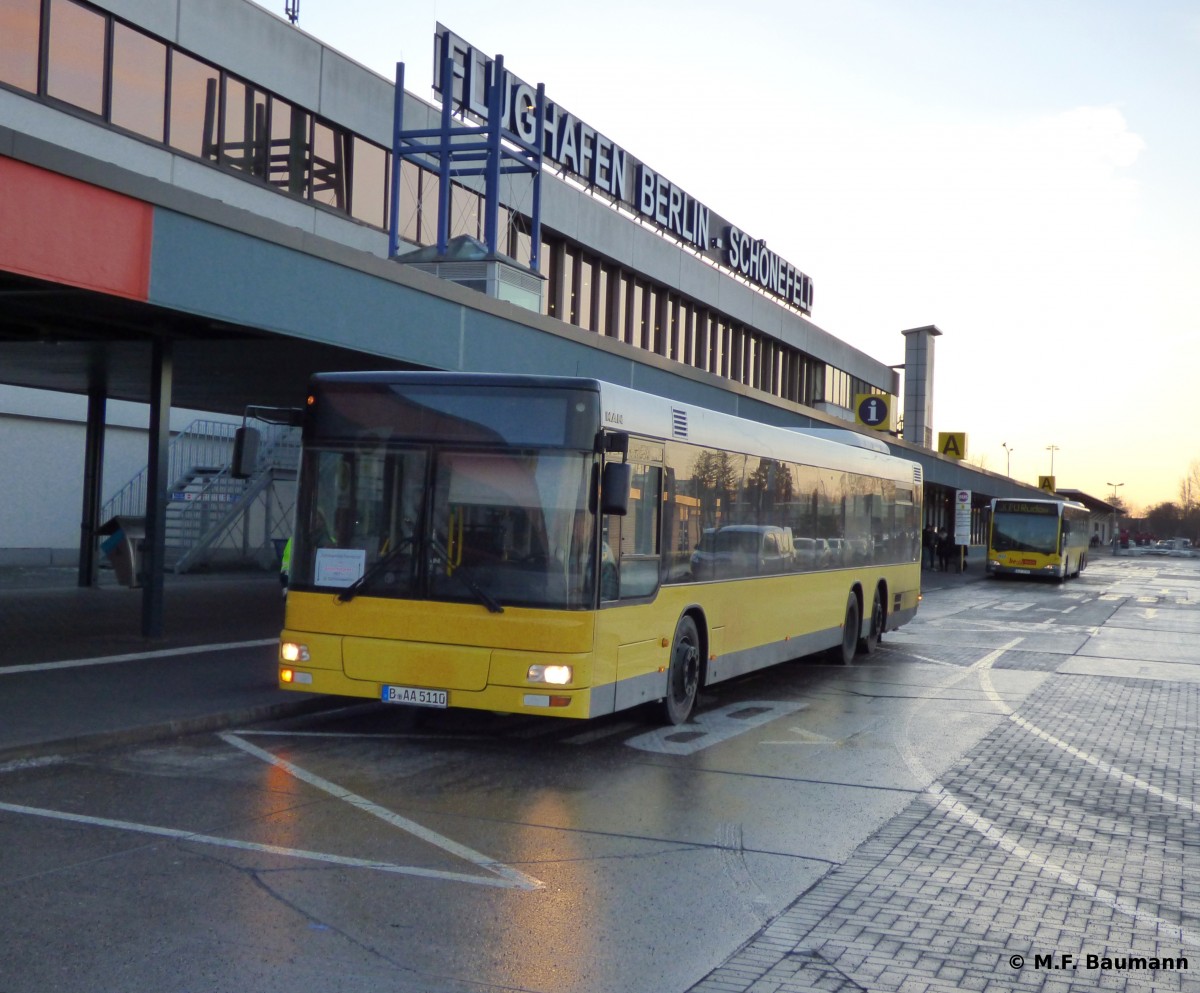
<point x="683" y="673"/>
<point x="850" y="630"/>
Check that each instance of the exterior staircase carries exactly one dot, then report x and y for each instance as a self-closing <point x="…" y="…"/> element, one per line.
<point x="213" y="518"/>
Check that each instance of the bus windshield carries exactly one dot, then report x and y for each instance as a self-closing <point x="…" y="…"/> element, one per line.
<point x="1025" y="532"/>
<point x="497" y="527"/>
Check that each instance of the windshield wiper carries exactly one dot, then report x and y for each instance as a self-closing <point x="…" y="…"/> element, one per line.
<point x="351" y="591"/>
<point x="440" y="551"/>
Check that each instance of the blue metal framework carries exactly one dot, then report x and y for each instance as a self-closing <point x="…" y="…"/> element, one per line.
<point x="487" y="150"/>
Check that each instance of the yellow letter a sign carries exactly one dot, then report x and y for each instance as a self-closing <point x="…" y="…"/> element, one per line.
<point x="952" y="444"/>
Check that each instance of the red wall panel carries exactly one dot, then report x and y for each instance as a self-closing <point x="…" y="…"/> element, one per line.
<point x="63" y="230"/>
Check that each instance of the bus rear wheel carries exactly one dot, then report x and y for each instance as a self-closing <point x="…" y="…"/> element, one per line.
<point x="868" y="644"/>
<point x="845" y="652"/>
<point x="683" y="673"/>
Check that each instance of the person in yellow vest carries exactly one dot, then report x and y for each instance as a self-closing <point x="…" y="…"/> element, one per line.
<point x="285" y="565"/>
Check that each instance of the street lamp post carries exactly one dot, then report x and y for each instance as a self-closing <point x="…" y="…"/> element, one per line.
<point x="1007" y="458"/>
<point x="1115" y="538"/>
<point x="1052" y="449"/>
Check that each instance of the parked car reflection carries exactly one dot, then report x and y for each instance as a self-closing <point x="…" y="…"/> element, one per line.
<point x="744" y="550"/>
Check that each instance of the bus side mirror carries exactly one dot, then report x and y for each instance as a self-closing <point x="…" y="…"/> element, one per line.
<point x="617" y="443"/>
<point x="245" y="453"/>
<point x="614" y="488"/>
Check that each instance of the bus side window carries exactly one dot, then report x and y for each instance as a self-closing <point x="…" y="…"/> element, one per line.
<point x="633" y="540"/>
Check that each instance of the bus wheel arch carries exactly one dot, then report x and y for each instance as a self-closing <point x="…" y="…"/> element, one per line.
<point x="685" y="670"/>
<point x="877" y="619"/>
<point x="696" y="613"/>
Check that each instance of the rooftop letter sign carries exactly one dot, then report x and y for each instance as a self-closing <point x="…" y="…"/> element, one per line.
<point x="604" y="166"/>
<point x="952" y="444"/>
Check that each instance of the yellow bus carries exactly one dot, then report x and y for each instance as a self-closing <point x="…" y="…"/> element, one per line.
<point x="1032" y="537"/>
<point x="565" y="546"/>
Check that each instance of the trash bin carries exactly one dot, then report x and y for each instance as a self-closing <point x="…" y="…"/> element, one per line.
<point x="124" y="543"/>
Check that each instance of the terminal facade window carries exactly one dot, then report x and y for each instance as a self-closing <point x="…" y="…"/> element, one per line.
<point x="85" y="60"/>
<point x="599" y="295"/>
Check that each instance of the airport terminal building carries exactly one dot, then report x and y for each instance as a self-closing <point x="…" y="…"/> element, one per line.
<point x="202" y="205"/>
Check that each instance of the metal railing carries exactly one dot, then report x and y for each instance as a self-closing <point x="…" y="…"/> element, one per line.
<point x="203" y="444"/>
<point x="211" y="514"/>
<point x="222" y="515"/>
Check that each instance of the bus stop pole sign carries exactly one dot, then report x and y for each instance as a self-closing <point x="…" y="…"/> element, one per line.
<point x="962" y="517"/>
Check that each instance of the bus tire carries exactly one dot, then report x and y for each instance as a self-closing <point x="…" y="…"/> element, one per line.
<point x="844" y="653"/>
<point x="683" y="673"/>
<point x="868" y="644"/>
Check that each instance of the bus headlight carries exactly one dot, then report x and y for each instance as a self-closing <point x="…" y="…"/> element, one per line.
<point x="556" y="675"/>
<point x="293" y="651"/>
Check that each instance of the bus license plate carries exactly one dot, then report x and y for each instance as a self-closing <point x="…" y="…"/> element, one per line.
<point x="414" y="696"/>
<point x="1021" y="572"/>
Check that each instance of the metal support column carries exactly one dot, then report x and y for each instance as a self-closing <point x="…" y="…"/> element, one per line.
<point x="93" y="480"/>
<point x="444" y="190"/>
<point x="492" y="162"/>
<point x="154" y="555"/>
<point x="394" y="190"/>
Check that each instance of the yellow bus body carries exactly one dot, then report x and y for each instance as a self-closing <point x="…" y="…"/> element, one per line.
<point x="1027" y="562"/>
<point x="619" y="655"/>
<point x="1035" y="563"/>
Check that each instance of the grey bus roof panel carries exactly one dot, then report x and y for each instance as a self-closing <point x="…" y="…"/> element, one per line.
<point x="657" y="417"/>
<point x="635" y="412"/>
<point x="844" y="436"/>
<point x="1073" y="504"/>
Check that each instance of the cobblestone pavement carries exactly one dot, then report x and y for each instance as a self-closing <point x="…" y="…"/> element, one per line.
<point x="1068" y="836"/>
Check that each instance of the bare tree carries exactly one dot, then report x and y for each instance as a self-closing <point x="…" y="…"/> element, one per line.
<point x="1189" y="501"/>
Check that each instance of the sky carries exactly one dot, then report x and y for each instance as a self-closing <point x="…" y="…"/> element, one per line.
<point x="1023" y="175"/>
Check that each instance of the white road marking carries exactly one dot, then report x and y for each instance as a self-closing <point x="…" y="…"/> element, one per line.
<point x="1120" y="775"/>
<point x="924" y="658"/>
<point x="509" y="877"/>
<point x="949" y="804"/>
<point x="804" y="737"/>
<point x="587" y="737"/>
<point x="501" y="875"/>
<point x="1165" y="930"/>
<point x="254" y="846"/>
<point x="370" y="736"/>
<point x="161" y="653"/>
<point x="20" y="765"/>
<point x="714" y="726"/>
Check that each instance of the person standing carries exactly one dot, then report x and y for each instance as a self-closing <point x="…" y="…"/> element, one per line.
<point x="944" y="547"/>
